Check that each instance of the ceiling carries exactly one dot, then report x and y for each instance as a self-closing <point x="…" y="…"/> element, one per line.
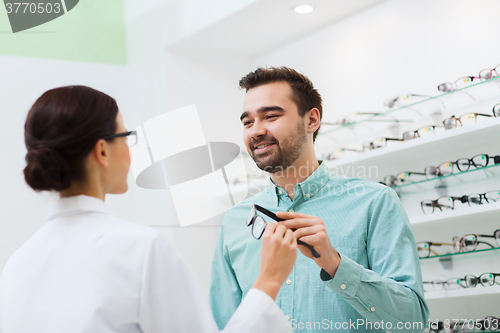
<point x="267" y="24"/>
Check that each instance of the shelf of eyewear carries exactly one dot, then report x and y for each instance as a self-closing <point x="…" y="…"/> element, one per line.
<point x="456" y="142"/>
<point x="463" y="292"/>
<point x="407" y="108"/>
<point x="446" y="174"/>
<point x="486" y="213"/>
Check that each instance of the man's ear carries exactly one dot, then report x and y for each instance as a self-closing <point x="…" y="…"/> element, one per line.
<point x="100" y="152"/>
<point x="313" y="120"/>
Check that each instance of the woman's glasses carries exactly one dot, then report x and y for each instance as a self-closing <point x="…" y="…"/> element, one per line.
<point x="259" y="225"/>
<point x="131" y="137"/>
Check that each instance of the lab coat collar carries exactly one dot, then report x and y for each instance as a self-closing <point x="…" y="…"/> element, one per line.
<point x="77" y="205"/>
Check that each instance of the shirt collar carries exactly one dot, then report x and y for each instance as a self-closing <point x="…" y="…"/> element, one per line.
<point x="77" y="205"/>
<point x="309" y="187"/>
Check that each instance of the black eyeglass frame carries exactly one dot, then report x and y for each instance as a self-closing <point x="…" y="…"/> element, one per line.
<point x="250" y="222"/>
<point x="119" y="135"/>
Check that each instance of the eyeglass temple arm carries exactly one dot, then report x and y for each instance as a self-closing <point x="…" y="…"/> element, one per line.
<point x="481" y="242"/>
<point x="276" y="218"/>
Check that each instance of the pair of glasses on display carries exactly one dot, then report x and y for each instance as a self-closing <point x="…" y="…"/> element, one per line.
<point x="466" y="81"/>
<point x="468" y="281"/>
<point x="468" y="118"/>
<point x="408" y="135"/>
<point x="467" y="243"/>
<point x="392" y="102"/>
<point x="131" y="137"/>
<point x="259" y="225"/>
<point x="443" y="169"/>
<point x="489" y="323"/>
<point x="447" y="203"/>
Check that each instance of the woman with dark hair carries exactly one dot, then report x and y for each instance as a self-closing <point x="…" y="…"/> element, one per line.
<point x="88" y="271"/>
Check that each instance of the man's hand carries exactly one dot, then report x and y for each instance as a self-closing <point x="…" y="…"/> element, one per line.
<point x="311" y="230"/>
<point x="277" y="258"/>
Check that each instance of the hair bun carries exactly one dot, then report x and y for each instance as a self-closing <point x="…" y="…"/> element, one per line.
<point x="46" y="169"/>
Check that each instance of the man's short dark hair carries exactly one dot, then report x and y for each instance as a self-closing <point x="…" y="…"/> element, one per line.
<point x="304" y="95"/>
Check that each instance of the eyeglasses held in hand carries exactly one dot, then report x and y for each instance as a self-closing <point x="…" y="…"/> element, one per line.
<point x="131" y="137"/>
<point x="259" y="225"/>
<point x="470" y="242"/>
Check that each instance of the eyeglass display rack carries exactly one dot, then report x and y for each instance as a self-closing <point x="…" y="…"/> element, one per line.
<point x="410" y="111"/>
<point x="414" y="155"/>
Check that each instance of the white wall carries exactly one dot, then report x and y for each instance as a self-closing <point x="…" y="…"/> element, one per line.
<point x="392" y="48"/>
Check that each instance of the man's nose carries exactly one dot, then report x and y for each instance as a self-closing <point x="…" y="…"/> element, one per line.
<point x="258" y="130"/>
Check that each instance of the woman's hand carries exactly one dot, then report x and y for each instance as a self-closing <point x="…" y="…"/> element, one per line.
<point x="277" y="258"/>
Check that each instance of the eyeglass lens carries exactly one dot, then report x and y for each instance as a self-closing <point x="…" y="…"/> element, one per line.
<point x="131" y="139"/>
<point x="251" y="215"/>
<point x="496" y="110"/>
<point x="258" y="227"/>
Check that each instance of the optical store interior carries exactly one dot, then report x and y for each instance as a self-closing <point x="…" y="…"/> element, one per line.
<point x="411" y="99"/>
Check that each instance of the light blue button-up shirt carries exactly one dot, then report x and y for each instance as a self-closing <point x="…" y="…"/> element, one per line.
<point x="378" y="285"/>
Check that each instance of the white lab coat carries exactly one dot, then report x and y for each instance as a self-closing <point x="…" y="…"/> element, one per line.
<point x="88" y="271"/>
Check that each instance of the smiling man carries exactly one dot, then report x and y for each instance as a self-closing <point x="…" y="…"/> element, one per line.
<point x="367" y="275"/>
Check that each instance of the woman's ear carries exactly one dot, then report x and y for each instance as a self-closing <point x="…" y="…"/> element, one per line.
<point x="313" y="120"/>
<point x="100" y="153"/>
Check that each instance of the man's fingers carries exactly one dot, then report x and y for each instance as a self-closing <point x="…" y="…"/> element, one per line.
<point x="307" y="231"/>
<point x="290" y="215"/>
<point x="289" y="237"/>
<point x="270" y="227"/>
<point x="301" y="222"/>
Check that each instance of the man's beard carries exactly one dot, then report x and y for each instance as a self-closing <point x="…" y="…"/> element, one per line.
<point x="288" y="151"/>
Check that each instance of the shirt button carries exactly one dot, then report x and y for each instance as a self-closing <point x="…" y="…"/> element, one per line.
<point x="291" y="210"/>
<point x="276" y="200"/>
<point x="343" y="286"/>
<point x="287" y="317"/>
<point x="288" y="281"/>
<point x="372" y="309"/>
<point x="308" y="195"/>
<point x="279" y="191"/>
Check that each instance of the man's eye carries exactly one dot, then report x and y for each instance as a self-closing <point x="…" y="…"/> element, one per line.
<point x="246" y="123"/>
<point x="271" y="116"/>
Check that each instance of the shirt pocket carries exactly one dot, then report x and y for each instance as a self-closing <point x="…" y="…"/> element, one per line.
<point x="347" y="248"/>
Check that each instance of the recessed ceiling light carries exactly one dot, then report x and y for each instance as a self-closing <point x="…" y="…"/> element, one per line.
<point x="304" y="9"/>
